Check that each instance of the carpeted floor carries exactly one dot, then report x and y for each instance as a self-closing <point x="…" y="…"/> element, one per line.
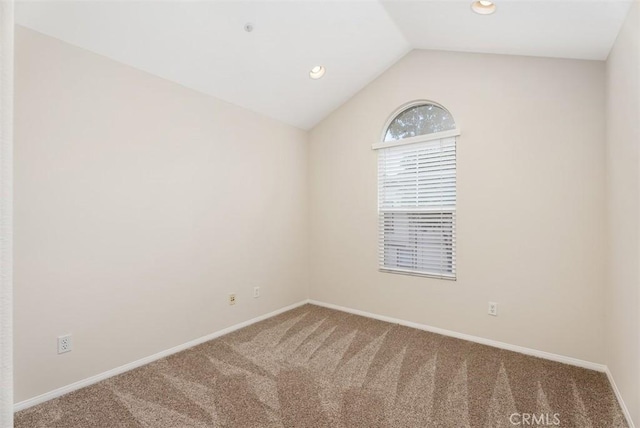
<point x="316" y="367"/>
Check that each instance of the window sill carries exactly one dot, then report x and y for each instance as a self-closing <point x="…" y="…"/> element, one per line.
<point x="422" y="274"/>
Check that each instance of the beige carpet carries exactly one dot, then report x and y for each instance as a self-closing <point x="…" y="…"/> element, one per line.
<point x="315" y="367"/>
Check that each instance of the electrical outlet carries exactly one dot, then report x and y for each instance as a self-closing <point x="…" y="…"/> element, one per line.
<point x="256" y="292"/>
<point x="493" y="309"/>
<point x="232" y="298"/>
<point x="64" y="344"/>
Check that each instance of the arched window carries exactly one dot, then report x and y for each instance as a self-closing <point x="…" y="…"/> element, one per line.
<point x="420" y="119"/>
<point x="417" y="192"/>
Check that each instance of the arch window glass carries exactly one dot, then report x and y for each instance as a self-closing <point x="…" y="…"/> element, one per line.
<point x="419" y="120"/>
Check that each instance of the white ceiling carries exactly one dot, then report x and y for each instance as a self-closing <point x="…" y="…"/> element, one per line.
<point x="582" y="29"/>
<point x="202" y="45"/>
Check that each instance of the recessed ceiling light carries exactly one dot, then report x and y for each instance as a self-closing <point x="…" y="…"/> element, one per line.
<point x="483" y="7"/>
<point x="317" y="72"/>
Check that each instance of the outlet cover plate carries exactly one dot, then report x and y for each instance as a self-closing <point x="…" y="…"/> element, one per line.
<point x="493" y="309"/>
<point x="64" y="344"/>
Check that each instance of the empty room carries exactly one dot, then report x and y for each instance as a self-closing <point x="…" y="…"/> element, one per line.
<point x="306" y="213"/>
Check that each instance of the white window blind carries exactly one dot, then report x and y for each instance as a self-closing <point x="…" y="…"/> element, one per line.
<point x="417" y="208"/>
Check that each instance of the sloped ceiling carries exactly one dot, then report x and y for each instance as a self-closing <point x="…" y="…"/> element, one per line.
<point x="204" y="46"/>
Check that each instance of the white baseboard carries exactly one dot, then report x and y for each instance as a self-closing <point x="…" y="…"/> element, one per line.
<point x="623" y="406"/>
<point x="496" y="344"/>
<point x="141" y="362"/>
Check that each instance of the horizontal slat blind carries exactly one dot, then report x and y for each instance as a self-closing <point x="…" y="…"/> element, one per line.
<point x="417" y="208"/>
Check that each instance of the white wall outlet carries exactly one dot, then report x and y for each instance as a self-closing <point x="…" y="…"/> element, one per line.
<point x="493" y="309"/>
<point x="232" y="298"/>
<point x="256" y="292"/>
<point x="64" y="344"/>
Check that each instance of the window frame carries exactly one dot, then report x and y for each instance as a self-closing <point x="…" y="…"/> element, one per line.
<point x="425" y="138"/>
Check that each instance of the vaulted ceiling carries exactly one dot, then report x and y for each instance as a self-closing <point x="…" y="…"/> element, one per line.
<point x="204" y="46"/>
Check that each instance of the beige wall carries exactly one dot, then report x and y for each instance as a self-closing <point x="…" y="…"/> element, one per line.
<point x="139" y="205"/>
<point x="531" y="214"/>
<point x="623" y="190"/>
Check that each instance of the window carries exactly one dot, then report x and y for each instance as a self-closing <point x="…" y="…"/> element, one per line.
<point x="417" y="192"/>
